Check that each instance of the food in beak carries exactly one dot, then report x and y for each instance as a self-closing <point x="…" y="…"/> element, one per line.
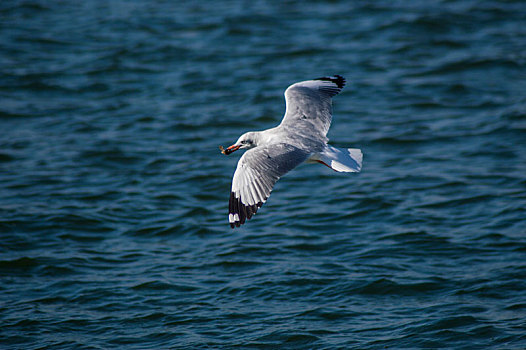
<point x="229" y="150"/>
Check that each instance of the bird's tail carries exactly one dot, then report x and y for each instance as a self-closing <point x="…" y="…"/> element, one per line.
<point x="348" y="160"/>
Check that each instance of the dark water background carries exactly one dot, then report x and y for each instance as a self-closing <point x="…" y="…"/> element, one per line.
<point x="113" y="193"/>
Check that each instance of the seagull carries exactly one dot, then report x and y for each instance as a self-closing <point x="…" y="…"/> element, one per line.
<point x="301" y="137"/>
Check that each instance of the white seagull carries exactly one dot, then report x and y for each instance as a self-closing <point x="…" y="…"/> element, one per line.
<point x="300" y="137"/>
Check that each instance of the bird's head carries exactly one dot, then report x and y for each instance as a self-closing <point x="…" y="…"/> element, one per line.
<point x="247" y="140"/>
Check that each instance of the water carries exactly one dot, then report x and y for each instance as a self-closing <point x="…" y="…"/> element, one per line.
<point x="114" y="194"/>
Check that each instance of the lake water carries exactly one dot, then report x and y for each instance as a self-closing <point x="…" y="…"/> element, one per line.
<point x="114" y="196"/>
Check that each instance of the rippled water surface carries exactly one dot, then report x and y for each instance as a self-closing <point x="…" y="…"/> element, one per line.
<point x="114" y="196"/>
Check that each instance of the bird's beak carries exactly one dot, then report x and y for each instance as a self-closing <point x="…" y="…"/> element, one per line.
<point x="230" y="149"/>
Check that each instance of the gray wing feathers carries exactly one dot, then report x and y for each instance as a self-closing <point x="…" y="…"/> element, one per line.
<point x="309" y="110"/>
<point x="256" y="173"/>
<point x="309" y="105"/>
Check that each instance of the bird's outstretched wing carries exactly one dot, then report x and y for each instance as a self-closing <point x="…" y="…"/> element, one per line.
<point x="309" y="107"/>
<point x="256" y="173"/>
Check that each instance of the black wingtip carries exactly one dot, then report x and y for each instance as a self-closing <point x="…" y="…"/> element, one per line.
<point x="336" y="79"/>
<point x="243" y="211"/>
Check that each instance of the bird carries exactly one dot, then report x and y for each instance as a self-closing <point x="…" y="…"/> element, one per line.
<point x="300" y="137"/>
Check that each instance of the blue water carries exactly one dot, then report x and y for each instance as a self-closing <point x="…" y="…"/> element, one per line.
<point x="114" y="195"/>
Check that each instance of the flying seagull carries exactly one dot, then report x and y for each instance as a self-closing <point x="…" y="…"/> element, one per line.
<point x="301" y="137"/>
